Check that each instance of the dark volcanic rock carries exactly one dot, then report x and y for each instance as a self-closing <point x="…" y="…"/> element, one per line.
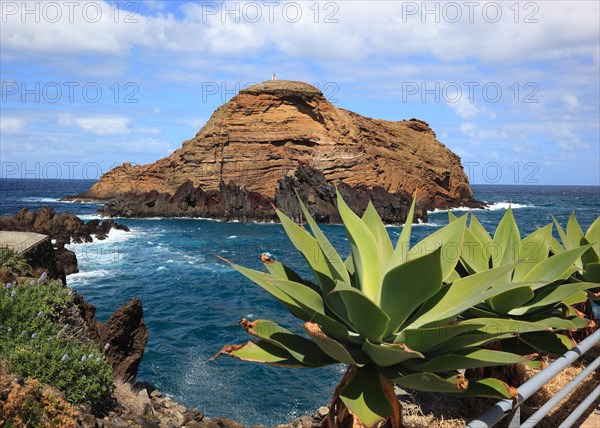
<point x="126" y="334"/>
<point x="63" y="228"/>
<point x="232" y="202"/>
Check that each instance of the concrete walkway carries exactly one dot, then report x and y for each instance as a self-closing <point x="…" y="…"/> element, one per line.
<point x="20" y="241"/>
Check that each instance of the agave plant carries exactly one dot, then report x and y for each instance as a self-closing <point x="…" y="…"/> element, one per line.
<point x="541" y="288"/>
<point x="391" y="314"/>
<point x="588" y="265"/>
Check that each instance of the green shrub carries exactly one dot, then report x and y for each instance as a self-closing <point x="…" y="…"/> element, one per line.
<point x="31" y="340"/>
<point x="14" y="262"/>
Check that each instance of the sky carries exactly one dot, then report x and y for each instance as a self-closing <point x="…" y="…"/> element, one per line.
<point x="512" y="87"/>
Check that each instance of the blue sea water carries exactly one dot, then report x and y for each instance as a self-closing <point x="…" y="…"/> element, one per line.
<point x="193" y="300"/>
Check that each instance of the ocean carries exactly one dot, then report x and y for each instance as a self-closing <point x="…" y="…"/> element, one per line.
<point x="193" y="301"/>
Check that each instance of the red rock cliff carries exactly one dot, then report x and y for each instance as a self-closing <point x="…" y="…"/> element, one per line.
<point x="268" y="129"/>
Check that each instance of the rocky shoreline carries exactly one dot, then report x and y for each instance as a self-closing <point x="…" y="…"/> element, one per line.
<point x="63" y="229"/>
<point x="234" y="203"/>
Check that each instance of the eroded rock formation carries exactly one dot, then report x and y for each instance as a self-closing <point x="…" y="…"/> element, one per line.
<point x="268" y="130"/>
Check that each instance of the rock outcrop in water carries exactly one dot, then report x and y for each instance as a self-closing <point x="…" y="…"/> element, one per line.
<point x="63" y="229"/>
<point x="240" y="159"/>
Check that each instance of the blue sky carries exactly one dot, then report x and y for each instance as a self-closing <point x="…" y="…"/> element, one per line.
<point x="511" y="87"/>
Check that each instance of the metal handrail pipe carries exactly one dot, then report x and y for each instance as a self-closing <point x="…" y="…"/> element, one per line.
<point x="570" y="421"/>
<point x="558" y="397"/>
<point x="499" y="410"/>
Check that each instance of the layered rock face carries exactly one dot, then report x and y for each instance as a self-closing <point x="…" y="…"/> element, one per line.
<point x="269" y="129"/>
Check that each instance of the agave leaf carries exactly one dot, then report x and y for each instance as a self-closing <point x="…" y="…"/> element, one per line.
<point x="280" y="270"/>
<point x="366" y="317"/>
<point x="264" y="352"/>
<point x="427" y="338"/>
<point x="593" y="235"/>
<point x="467" y="359"/>
<point x="507" y="240"/>
<point x="373" y="221"/>
<point x="555" y="246"/>
<point x="302" y="349"/>
<point x="451" y="216"/>
<point x="574" y="232"/>
<point x="365" y="397"/>
<point x="554" y="267"/>
<point x="578" y="297"/>
<point x="449" y="238"/>
<point x="419" y="278"/>
<point x="534" y="249"/>
<point x="556" y="322"/>
<point x="473" y="255"/>
<point x="496" y="329"/>
<point x="459" y="296"/>
<point x="403" y="244"/>
<point x="335" y="261"/>
<point x="430" y="382"/>
<point x="482" y="235"/>
<point x="263" y="281"/>
<point x="505" y="302"/>
<point x="552" y="295"/>
<point x="385" y="355"/>
<point x="490" y="387"/>
<point x="312" y="252"/>
<point x="365" y="252"/>
<point x="563" y="236"/>
<point x="591" y="272"/>
<point x="551" y="343"/>
<point x="311" y="303"/>
<point x="337" y="350"/>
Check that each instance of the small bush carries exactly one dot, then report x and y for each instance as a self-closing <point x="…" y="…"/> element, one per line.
<point x="30" y="404"/>
<point x="31" y="340"/>
<point x="14" y="262"/>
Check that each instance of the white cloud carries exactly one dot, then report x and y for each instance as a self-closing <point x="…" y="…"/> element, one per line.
<point x="193" y="123"/>
<point x="472" y="131"/>
<point x="103" y="126"/>
<point x="11" y="125"/>
<point x="570" y="101"/>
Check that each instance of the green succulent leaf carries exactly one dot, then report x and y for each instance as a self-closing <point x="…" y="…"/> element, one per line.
<point x="534" y="249"/>
<point x="430" y="382"/>
<point x="473" y="254"/>
<point x="312" y="252"/>
<point x="546" y="342"/>
<point x="373" y="221"/>
<point x="407" y="286"/>
<point x="461" y="295"/>
<point x="365" y="252"/>
<point x="552" y="295"/>
<point x="591" y="273"/>
<point x="264" y="352"/>
<point x="507" y="240"/>
<point x="337" y="350"/>
<point x="511" y="299"/>
<point x="427" y="338"/>
<point x="451" y="216"/>
<point x="467" y="359"/>
<point x="328" y="250"/>
<point x="482" y="235"/>
<point x="574" y="232"/>
<point x="490" y="387"/>
<point x="554" y="267"/>
<point x="385" y="355"/>
<point x="302" y="349"/>
<point x="262" y="279"/>
<point x="366" y="317"/>
<point x="403" y="244"/>
<point x="365" y="397"/>
<point x="449" y="238"/>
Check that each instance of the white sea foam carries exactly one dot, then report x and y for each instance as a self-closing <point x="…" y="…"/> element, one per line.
<point x="495" y="206"/>
<point x="85" y="277"/>
<point x="232" y="237"/>
<point x="88" y="217"/>
<point x="161" y="268"/>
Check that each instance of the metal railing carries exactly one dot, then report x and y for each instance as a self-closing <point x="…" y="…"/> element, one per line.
<point x="505" y="408"/>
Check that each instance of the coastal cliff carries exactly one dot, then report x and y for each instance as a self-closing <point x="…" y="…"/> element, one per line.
<point x="265" y="133"/>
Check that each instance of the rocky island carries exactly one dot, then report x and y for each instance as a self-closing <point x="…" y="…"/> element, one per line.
<point x="280" y="137"/>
